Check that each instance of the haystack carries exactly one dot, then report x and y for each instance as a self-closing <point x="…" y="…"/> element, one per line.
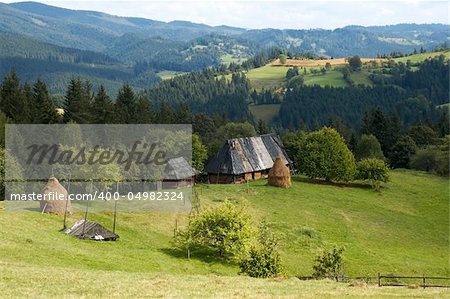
<point x="55" y="198"/>
<point x="279" y="175"/>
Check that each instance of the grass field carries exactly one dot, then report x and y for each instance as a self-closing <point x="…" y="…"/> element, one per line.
<point x="403" y="230"/>
<point x="165" y="75"/>
<point x="265" y="112"/>
<point x="422" y="56"/>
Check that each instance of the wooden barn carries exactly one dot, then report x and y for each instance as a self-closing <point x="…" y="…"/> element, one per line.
<point x="178" y="174"/>
<point x="249" y="158"/>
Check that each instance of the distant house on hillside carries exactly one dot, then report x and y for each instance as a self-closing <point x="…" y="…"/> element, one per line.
<point x="249" y="158"/>
<point x="178" y="174"/>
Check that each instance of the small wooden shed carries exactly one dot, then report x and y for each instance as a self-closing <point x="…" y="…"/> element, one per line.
<point x="178" y="174"/>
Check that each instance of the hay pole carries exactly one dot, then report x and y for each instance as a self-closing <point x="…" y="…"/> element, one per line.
<point x="86" y="213"/>
<point x="115" y="209"/>
<point x="67" y="202"/>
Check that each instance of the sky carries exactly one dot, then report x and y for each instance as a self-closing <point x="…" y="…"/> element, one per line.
<point x="271" y="13"/>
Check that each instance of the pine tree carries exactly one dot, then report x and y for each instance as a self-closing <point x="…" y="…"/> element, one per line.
<point x="78" y="102"/>
<point x="14" y="104"/>
<point x="44" y="112"/>
<point x="144" y="114"/>
<point x="102" y="107"/>
<point x="126" y="107"/>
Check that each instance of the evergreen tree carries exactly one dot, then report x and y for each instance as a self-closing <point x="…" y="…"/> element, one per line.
<point x="78" y="102"/>
<point x="144" y="113"/>
<point x="102" y="107"/>
<point x="44" y="112"/>
<point x="401" y="152"/>
<point x="14" y="102"/>
<point x="126" y="107"/>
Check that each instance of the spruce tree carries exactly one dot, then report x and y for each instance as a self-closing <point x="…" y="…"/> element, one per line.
<point x="43" y="110"/>
<point x="102" y="107"/>
<point x="126" y="106"/>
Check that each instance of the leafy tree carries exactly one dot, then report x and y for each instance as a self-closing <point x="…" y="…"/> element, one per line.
<point x="325" y="155"/>
<point x="329" y="264"/>
<point x="236" y="130"/>
<point x="199" y="153"/>
<point x="102" y="107"/>
<point x="328" y="66"/>
<point x="292" y="72"/>
<point x="263" y="259"/>
<point x="401" y="152"/>
<point x="368" y="147"/>
<point x="283" y="58"/>
<point x="422" y="135"/>
<point x="355" y="63"/>
<point x="44" y="112"/>
<point x="373" y="170"/>
<point x="224" y="228"/>
<point x="296" y="82"/>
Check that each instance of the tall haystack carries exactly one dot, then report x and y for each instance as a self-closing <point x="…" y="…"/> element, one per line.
<point x="55" y="198"/>
<point x="279" y="175"/>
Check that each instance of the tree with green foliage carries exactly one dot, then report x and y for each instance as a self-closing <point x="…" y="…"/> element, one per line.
<point x="262" y="128"/>
<point x="225" y="228"/>
<point x="329" y="264"/>
<point x="325" y="155"/>
<point x="44" y="112"/>
<point x="102" y="107"/>
<point x="292" y="72"/>
<point x="126" y="108"/>
<point x="368" y="147"/>
<point x="236" y="130"/>
<point x="401" y="152"/>
<point x="355" y="63"/>
<point x="144" y="111"/>
<point x="373" y="170"/>
<point x="283" y="58"/>
<point x="199" y="153"/>
<point x="14" y="103"/>
<point x="78" y="102"/>
<point x="422" y="135"/>
<point x="263" y="259"/>
<point x="296" y="82"/>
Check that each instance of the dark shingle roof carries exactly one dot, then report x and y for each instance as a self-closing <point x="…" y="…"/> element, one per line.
<point x="92" y="230"/>
<point x="178" y="169"/>
<point x="249" y="154"/>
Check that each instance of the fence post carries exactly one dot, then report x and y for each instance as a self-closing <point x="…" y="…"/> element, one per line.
<point x="379" y="279"/>
<point x="424" y="281"/>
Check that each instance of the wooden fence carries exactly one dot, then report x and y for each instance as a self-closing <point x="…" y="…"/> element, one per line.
<point x="393" y="280"/>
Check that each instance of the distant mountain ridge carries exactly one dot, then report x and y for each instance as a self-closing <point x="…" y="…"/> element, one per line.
<point x="85" y="40"/>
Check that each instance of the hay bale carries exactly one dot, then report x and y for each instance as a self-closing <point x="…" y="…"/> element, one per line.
<point x="55" y="198"/>
<point x="279" y="175"/>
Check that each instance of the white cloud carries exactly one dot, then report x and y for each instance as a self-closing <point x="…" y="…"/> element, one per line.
<point x="274" y="14"/>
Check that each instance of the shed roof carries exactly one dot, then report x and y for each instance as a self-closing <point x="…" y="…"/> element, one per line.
<point x="178" y="169"/>
<point x="91" y="230"/>
<point x="248" y="154"/>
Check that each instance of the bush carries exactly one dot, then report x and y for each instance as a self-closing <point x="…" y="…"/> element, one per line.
<point x="373" y="170"/>
<point x="225" y="228"/>
<point x="422" y="135"/>
<point x="262" y="262"/>
<point x="329" y="264"/>
<point x="431" y="159"/>
<point x="368" y="147"/>
<point x="325" y="155"/>
<point x="263" y="259"/>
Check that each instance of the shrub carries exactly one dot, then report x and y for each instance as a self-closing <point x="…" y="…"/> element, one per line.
<point x="325" y="155"/>
<point x="368" y="147"/>
<point x="225" y="228"/>
<point x="263" y="259"/>
<point x="422" y="135"/>
<point x="262" y="262"/>
<point x="329" y="264"/>
<point x="373" y="170"/>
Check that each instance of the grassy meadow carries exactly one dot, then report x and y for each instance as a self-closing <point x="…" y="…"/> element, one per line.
<point x="404" y="229"/>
